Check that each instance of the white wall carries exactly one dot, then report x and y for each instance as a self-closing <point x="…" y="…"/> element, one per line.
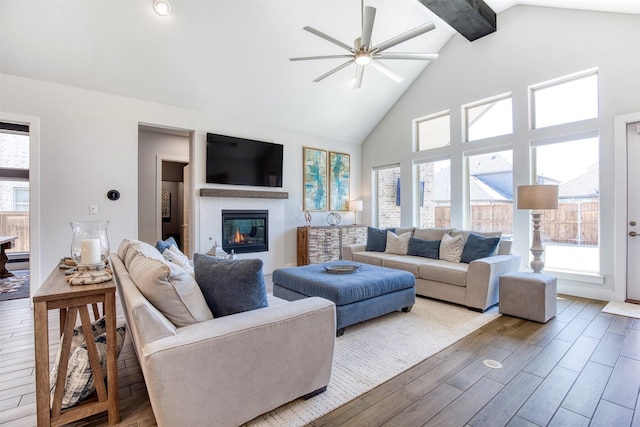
<point x="88" y="144"/>
<point x="532" y="45"/>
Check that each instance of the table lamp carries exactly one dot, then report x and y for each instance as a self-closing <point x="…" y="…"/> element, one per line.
<point x="537" y="198"/>
<point x="356" y="206"/>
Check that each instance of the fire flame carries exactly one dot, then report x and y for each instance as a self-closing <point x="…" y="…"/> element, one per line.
<point x="238" y="238"/>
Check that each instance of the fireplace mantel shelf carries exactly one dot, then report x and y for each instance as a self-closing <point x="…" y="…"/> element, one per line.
<point x="246" y="194"/>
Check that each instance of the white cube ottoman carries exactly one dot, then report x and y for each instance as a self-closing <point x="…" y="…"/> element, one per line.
<point x="531" y="296"/>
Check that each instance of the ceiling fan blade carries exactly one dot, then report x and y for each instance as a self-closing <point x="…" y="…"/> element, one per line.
<point x="404" y="37"/>
<point x="358" y="80"/>
<point x="386" y="71"/>
<point x="367" y="26"/>
<point x="398" y="55"/>
<point x="305" y="58"/>
<point x="335" y="70"/>
<point x="327" y="38"/>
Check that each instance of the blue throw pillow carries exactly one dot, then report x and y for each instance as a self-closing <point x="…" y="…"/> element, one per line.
<point x="424" y="248"/>
<point x="478" y="247"/>
<point x="376" y="239"/>
<point x="161" y="245"/>
<point x="230" y="286"/>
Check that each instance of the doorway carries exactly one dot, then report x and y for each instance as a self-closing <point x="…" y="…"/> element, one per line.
<point x="173" y="198"/>
<point x="163" y="191"/>
<point x="633" y="212"/>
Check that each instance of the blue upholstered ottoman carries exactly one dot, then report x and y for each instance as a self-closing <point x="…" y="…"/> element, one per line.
<point x="370" y="292"/>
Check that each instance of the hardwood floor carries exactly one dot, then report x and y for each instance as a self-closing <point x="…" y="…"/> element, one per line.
<point x="580" y="368"/>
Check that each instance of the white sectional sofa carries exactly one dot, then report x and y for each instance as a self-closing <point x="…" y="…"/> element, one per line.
<point x="473" y="284"/>
<point x="205" y="371"/>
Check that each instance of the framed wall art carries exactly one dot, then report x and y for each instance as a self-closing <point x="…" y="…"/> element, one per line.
<point x="314" y="179"/>
<point x="339" y="177"/>
<point x="166" y="206"/>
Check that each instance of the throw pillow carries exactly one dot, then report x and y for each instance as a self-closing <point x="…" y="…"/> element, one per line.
<point x="451" y="248"/>
<point x="161" y="245"/>
<point x="424" y="248"/>
<point x="80" y="382"/>
<point x="479" y="247"/>
<point x="170" y="289"/>
<point x="397" y="244"/>
<point x="173" y="254"/>
<point x="376" y="239"/>
<point x="230" y="286"/>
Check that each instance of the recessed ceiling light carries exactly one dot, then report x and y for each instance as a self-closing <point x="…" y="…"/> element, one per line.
<point x="162" y="7"/>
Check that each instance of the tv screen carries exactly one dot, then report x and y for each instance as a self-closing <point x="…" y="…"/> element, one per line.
<point x="240" y="161"/>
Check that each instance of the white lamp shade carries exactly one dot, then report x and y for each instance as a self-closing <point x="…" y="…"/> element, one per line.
<point x="538" y="197"/>
<point x="355" y="205"/>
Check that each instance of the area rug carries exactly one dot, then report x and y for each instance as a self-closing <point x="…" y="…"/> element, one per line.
<point x="14" y="287"/>
<point x="375" y="351"/>
<point x="623" y="309"/>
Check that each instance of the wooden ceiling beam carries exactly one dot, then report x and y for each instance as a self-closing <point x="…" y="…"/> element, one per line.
<point x="471" y="18"/>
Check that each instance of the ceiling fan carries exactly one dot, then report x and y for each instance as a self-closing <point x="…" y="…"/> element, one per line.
<point x="363" y="53"/>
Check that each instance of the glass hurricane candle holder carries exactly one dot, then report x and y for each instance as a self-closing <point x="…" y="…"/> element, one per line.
<point x="90" y="244"/>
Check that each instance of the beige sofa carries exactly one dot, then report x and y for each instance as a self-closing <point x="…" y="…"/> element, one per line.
<point x="224" y="371"/>
<point x="474" y="285"/>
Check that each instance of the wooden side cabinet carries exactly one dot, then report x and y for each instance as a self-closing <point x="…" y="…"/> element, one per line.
<point x="321" y="244"/>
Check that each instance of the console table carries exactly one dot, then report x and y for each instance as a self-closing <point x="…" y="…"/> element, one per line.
<point x="321" y="244"/>
<point x="6" y="242"/>
<point x="56" y="293"/>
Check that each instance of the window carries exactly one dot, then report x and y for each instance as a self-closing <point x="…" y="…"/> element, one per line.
<point x="435" y="194"/>
<point x="433" y="131"/>
<point x="14" y="184"/>
<point x="571" y="233"/>
<point x="564" y="101"/>
<point x="21" y="199"/>
<point x="490" y="118"/>
<point x="388" y="197"/>
<point x="490" y="184"/>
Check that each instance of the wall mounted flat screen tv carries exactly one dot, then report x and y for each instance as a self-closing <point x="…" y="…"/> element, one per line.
<point x="240" y="161"/>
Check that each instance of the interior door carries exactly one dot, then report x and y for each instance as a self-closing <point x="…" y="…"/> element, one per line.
<point x="633" y="213"/>
<point x="186" y="212"/>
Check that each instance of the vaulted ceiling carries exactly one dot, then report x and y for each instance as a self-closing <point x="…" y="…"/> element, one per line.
<point x="231" y="57"/>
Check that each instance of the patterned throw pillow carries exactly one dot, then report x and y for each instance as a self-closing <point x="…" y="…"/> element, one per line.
<point x="79" y="382"/>
<point x="173" y="254"/>
<point x="451" y="248"/>
<point x="397" y="245"/>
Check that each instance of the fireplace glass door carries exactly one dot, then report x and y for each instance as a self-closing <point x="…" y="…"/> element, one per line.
<point x="245" y="231"/>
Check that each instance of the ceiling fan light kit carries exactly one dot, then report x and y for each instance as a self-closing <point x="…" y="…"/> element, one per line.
<point x="363" y="54"/>
<point x="162" y="7"/>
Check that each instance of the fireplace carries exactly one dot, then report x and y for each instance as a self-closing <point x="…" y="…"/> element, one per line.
<point x="245" y="231"/>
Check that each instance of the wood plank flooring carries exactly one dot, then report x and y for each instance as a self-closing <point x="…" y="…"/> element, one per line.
<point x="580" y="368"/>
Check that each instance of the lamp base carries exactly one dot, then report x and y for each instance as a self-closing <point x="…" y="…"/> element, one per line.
<point x="536" y="248"/>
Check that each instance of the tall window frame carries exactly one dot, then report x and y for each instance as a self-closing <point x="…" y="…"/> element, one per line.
<point x="388" y="196"/>
<point x="571" y="233"/>
<point x="489" y="183"/>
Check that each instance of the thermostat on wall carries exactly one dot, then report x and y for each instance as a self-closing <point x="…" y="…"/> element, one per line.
<point x="113" y="194"/>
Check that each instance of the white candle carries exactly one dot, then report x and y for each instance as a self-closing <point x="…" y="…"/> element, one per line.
<point x="90" y="251"/>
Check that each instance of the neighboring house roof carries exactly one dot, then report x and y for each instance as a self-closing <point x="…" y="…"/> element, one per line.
<point x="492" y="179"/>
<point x="584" y="186"/>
